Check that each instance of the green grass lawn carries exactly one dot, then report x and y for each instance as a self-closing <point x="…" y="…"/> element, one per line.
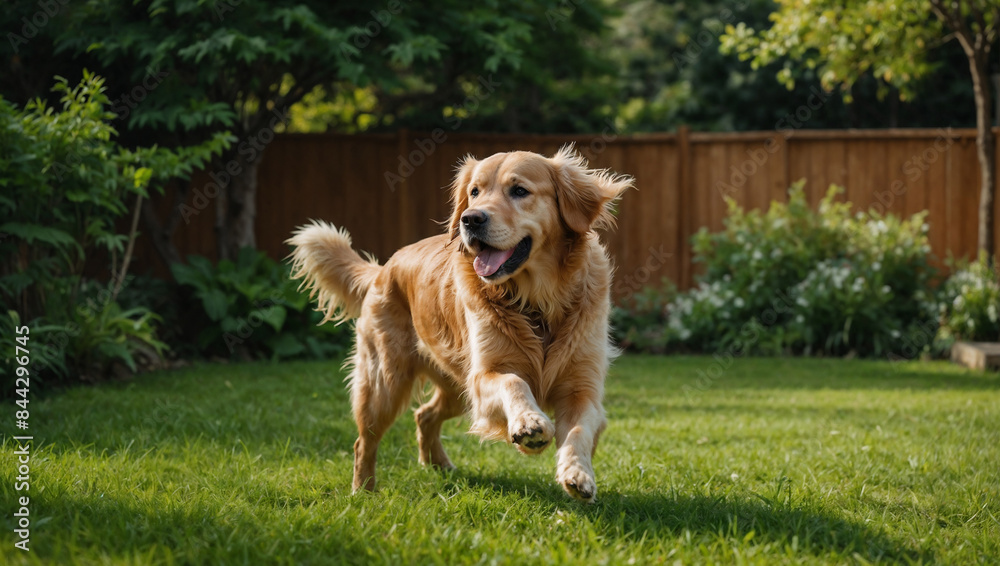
<point x="773" y="461"/>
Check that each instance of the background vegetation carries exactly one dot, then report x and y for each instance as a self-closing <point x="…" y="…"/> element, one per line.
<point x="193" y="84"/>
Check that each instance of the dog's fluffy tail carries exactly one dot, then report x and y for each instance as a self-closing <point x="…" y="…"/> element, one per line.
<point x="331" y="270"/>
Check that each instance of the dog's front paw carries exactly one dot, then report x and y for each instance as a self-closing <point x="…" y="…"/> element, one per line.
<point x="578" y="483"/>
<point x="531" y="432"/>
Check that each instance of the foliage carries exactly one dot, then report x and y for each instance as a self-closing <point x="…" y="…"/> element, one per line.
<point x="843" y="41"/>
<point x="797" y="280"/>
<point x="65" y="184"/>
<point x="47" y="352"/>
<point x="968" y="303"/>
<point x="189" y="69"/>
<point x="890" y="40"/>
<point x="250" y="308"/>
<point x="638" y="321"/>
<point x="101" y="334"/>
<point x="673" y="74"/>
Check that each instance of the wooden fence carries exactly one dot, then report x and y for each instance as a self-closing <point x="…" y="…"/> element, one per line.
<point x="681" y="179"/>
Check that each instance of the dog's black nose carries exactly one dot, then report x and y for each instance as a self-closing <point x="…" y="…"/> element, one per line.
<point x="473" y="218"/>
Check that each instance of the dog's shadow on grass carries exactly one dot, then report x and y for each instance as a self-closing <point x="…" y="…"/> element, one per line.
<point x="709" y="519"/>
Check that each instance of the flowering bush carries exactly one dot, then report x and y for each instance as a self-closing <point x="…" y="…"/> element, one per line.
<point x="968" y="304"/>
<point x="795" y="280"/>
<point x="637" y="323"/>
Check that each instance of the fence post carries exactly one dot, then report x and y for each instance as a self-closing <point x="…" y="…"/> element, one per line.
<point x="684" y="212"/>
<point x="405" y="195"/>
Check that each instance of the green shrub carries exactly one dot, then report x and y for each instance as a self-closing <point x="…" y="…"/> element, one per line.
<point x="65" y="183"/>
<point x="46" y="347"/>
<point x="969" y="304"/>
<point x="102" y="334"/>
<point x="251" y="308"/>
<point x="795" y="280"/>
<point x="638" y="321"/>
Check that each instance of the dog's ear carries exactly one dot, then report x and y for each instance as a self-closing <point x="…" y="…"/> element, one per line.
<point x="586" y="196"/>
<point x="460" y="193"/>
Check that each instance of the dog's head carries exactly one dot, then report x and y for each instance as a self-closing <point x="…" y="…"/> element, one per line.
<point x="510" y="206"/>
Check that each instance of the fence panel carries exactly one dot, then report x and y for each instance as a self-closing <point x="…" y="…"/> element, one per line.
<point x="389" y="190"/>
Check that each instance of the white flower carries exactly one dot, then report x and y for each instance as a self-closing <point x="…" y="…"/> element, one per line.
<point x="894" y="334"/>
<point x="738" y="302"/>
<point x="800" y="319"/>
<point x="876" y="266"/>
<point x="757" y="256"/>
<point x="802" y="302"/>
<point x="734" y="476"/>
<point x="886" y="289"/>
<point x="858" y="283"/>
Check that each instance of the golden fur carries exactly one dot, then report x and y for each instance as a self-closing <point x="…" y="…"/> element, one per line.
<point x="530" y="338"/>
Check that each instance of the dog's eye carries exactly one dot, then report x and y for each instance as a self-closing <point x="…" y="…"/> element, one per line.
<point x="519" y="191"/>
<point x="474" y="192"/>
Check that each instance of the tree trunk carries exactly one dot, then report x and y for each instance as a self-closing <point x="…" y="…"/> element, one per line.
<point x="161" y="235"/>
<point x="986" y="151"/>
<point x="236" y="214"/>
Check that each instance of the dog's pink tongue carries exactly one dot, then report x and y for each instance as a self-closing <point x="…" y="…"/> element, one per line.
<point x="488" y="261"/>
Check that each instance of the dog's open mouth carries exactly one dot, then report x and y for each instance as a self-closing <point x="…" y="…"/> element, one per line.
<point x="491" y="263"/>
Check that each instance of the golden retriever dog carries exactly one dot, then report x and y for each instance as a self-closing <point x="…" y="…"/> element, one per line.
<point x="506" y="314"/>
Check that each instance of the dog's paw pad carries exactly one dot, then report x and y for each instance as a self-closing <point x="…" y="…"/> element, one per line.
<point x="532" y="433"/>
<point x="579" y="485"/>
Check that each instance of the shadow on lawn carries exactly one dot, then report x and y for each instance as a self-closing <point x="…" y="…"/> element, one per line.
<point x="733" y="516"/>
<point x="109" y="529"/>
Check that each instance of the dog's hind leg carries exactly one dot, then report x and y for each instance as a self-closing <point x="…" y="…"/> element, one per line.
<point x="446" y="403"/>
<point x="381" y="387"/>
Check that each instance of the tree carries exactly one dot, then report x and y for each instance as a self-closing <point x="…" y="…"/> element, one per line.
<point x="892" y="40"/>
<point x="673" y="74"/>
<point x="534" y="91"/>
<point x="191" y="68"/>
<point x="205" y="66"/>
